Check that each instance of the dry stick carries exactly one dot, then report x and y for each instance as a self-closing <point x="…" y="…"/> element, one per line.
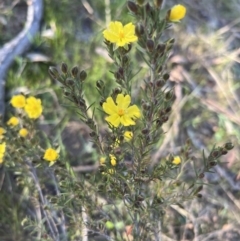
<point x="51" y="225"/>
<point x="19" y="44"/>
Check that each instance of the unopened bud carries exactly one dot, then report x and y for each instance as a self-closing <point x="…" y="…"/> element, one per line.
<point x="224" y="151"/>
<point x="74" y="71"/>
<point x="100" y="84"/>
<point x="158" y="3"/>
<point x="150" y="45"/>
<point x="83" y="75"/>
<point x="101" y="102"/>
<point x="117" y="90"/>
<point x="121" y="71"/>
<point x="166" y="76"/>
<point x="125" y="60"/>
<point x="132" y="6"/>
<point x="53" y="72"/>
<point x="199" y="195"/>
<point x="145" y="131"/>
<point x="140" y="2"/>
<point x="93" y="134"/>
<point x="70" y="81"/>
<point x="168" y="109"/>
<point x="169" y="95"/>
<point x="66" y="93"/>
<point x="212" y="164"/>
<point x="201" y="175"/>
<point x="164" y="118"/>
<point x="139" y="30"/>
<point x="146" y="106"/>
<point x="160" y="83"/>
<point x="229" y="146"/>
<point x="160" y="48"/>
<point x="64" y="68"/>
<point x="215" y="154"/>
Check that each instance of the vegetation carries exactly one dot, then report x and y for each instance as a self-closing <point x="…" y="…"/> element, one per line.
<point x="128" y="137"/>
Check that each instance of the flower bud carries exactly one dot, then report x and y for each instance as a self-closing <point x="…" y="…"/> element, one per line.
<point x="100" y="84"/>
<point x="139" y="30"/>
<point x="117" y="75"/>
<point x="164" y="118"/>
<point x="224" y="151"/>
<point x="166" y="76"/>
<point x="148" y="8"/>
<point x="212" y="164"/>
<point x="199" y="195"/>
<point x="140" y="2"/>
<point x="93" y="134"/>
<point x="117" y="90"/>
<point x="201" y="175"/>
<point x="161" y="48"/>
<point x="83" y="75"/>
<point x="66" y="93"/>
<point x="101" y="102"/>
<point x="53" y="72"/>
<point x="74" y="71"/>
<point x="168" y="109"/>
<point x="158" y="3"/>
<point x="64" y="68"/>
<point x="146" y="106"/>
<point x="229" y="146"/>
<point x="150" y="45"/>
<point x="215" y="154"/>
<point x="125" y="60"/>
<point x="169" y="95"/>
<point x="132" y="6"/>
<point x="70" y="81"/>
<point x="121" y="71"/>
<point x="145" y="131"/>
<point x="160" y="83"/>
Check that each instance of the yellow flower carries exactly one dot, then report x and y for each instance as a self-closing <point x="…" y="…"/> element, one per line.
<point x="33" y="107"/>
<point x="23" y="132"/>
<point x="113" y="160"/>
<point x="119" y="34"/>
<point x="50" y="155"/>
<point x="13" y="121"/>
<point x="2" y="151"/>
<point x="18" y="101"/>
<point x="176" y="160"/>
<point x="121" y="113"/>
<point x="128" y="135"/>
<point x="177" y="13"/>
<point x="2" y="132"/>
<point x="102" y="161"/>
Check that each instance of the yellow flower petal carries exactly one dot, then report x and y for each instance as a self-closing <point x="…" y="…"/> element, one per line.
<point x="120" y="35"/>
<point x="123" y="101"/>
<point x="23" y="132"/>
<point x="176" y="160"/>
<point x="127" y="121"/>
<point x="18" y="101"/>
<point x="177" y="13"/>
<point x="13" y="121"/>
<point x="33" y="107"/>
<point x="133" y="112"/>
<point x="121" y="113"/>
<point x="128" y="135"/>
<point x="50" y="155"/>
<point x="113" y="120"/>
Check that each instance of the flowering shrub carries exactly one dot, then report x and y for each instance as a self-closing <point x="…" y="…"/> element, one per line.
<point x="126" y="194"/>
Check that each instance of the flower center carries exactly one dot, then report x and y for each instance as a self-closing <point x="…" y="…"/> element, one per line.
<point x="121" y="35"/>
<point x="120" y="112"/>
